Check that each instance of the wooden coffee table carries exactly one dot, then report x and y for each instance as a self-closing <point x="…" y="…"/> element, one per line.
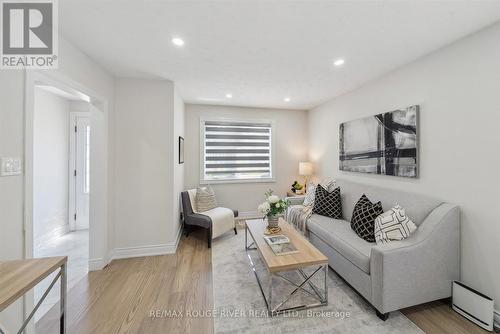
<point x="307" y="257"/>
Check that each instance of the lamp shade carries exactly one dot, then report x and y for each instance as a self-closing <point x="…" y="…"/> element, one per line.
<point x="305" y="168"/>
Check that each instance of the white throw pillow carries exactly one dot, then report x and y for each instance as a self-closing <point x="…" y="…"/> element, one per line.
<point x="393" y="225"/>
<point x="328" y="183"/>
<point x="309" y="199"/>
<point x="205" y="198"/>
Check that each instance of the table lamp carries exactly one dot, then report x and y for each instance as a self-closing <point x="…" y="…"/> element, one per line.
<point x="305" y="170"/>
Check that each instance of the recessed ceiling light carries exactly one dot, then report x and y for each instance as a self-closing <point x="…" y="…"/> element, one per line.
<point x="339" y="62"/>
<point x="286" y="99"/>
<point x="229" y="95"/>
<point x="178" y="41"/>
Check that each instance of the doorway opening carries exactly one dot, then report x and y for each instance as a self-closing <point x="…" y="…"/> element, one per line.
<point x="61" y="185"/>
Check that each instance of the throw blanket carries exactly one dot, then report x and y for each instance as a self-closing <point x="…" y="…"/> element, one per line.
<point x="222" y="220"/>
<point x="298" y="215"/>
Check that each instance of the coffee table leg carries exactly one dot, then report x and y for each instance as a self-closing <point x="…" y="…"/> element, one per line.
<point x="63" y="301"/>
<point x="270" y="301"/>
<point x="247" y="246"/>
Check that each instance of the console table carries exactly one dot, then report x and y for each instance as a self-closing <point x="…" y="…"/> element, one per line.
<point x="19" y="276"/>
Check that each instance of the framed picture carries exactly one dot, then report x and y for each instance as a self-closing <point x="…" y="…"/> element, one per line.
<point x="181" y="150"/>
<point x="385" y="144"/>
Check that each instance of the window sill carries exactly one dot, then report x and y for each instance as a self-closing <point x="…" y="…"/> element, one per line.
<point x="270" y="180"/>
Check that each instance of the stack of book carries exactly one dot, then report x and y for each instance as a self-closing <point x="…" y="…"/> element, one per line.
<point x="280" y="244"/>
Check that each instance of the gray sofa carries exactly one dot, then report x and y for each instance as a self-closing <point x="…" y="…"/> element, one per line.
<point x="401" y="273"/>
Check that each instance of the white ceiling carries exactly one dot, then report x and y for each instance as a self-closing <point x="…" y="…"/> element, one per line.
<point x="260" y="51"/>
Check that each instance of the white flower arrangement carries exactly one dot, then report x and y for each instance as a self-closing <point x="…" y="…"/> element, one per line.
<point x="273" y="206"/>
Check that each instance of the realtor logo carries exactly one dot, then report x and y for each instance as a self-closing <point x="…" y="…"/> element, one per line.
<point x="29" y="34"/>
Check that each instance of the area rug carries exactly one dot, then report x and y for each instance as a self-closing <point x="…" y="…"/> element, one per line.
<point x="240" y="308"/>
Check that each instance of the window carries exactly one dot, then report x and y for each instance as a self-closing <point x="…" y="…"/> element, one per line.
<point x="236" y="151"/>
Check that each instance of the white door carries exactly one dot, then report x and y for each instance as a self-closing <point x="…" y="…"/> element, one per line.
<point x="80" y="183"/>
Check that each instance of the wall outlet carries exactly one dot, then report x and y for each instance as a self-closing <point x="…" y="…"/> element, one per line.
<point x="10" y="166"/>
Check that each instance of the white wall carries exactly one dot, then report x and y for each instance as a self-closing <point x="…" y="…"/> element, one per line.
<point x="457" y="89"/>
<point x="290" y="144"/>
<point x="50" y="165"/>
<point x="72" y="64"/>
<point x="178" y="130"/>
<point x="11" y="188"/>
<point x="144" y="172"/>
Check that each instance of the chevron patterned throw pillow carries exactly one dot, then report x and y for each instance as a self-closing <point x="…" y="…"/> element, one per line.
<point x="393" y="225"/>
<point x="363" y="217"/>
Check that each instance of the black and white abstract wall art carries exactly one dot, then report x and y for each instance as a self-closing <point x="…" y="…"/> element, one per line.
<point x="385" y="144"/>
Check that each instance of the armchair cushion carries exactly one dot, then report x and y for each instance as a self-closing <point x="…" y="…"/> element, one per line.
<point x="222" y="220"/>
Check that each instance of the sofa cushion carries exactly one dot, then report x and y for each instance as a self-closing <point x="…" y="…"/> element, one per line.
<point x="393" y="225"/>
<point x="417" y="206"/>
<point x="363" y="218"/>
<point x="338" y="234"/>
<point x="327" y="203"/>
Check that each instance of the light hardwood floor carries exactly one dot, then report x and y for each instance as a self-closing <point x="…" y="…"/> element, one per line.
<point x="120" y="298"/>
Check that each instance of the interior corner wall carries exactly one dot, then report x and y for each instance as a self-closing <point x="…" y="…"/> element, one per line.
<point x="290" y="147"/>
<point x="144" y="174"/>
<point x="50" y="166"/>
<point x="178" y="187"/>
<point x="457" y="89"/>
<point x="72" y="64"/>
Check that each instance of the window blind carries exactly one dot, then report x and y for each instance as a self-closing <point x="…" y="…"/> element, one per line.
<point x="237" y="150"/>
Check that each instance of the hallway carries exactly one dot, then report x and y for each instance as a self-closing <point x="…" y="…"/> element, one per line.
<point x="75" y="245"/>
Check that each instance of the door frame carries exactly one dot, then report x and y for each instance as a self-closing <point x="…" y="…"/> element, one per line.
<point x="72" y="207"/>
<point x="98" y="200"/>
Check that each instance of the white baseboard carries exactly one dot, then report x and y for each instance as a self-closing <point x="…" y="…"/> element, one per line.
<point x="139" y="251"/>
<point x="244" y="215"/>
<point x="97" y="264"/>
<point x="497" y="317"/>
<point x="148" y="250"/>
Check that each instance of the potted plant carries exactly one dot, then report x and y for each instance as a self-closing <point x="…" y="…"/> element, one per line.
<point x="273" y="208"/>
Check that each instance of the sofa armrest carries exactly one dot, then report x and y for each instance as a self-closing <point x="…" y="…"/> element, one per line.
<point x="296" y="200"/>
<point x="421" y="268"/>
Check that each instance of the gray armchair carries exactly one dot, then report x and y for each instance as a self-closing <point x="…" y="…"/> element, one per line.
<point x="194" y="220"/>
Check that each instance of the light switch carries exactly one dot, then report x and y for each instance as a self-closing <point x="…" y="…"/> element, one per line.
<point x="10" y="166"/>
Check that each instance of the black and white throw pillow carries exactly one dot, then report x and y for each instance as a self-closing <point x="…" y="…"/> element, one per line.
<point x="327" y="203"/>
<point x="393" y="225"/>
<point x="363" y="218"/>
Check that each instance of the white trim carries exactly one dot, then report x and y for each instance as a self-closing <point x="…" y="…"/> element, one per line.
<point x="235" y="120"/>
<point x="147" y="250"/>
<point x="496" y="317"/>
<point x="140" y="251"/>
<point x="244" y="215"/>
<point x="97" y="264"/>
